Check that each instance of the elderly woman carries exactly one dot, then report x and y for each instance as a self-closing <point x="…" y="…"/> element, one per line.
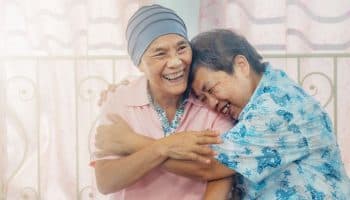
<point x="283" y="144"/>
<point x="156" y="106"/>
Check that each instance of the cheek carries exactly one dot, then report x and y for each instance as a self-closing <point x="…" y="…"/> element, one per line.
<point x="195" y="85"/>
<point x="222" y="93"/>
<point x="153" y="74"/>
<point x="187" y="59"/>
<point x="221" y="96"/>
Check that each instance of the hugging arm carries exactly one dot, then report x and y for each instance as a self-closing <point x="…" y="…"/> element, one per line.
<point x="115" y="174"/>
<point x="119" y="138"/>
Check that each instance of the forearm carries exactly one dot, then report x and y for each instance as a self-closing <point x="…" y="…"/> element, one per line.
<point x="191" y="169"/>
<point x="114" y="175"/>
<point x="207" y="172"/>
<point x="218" y="189"/>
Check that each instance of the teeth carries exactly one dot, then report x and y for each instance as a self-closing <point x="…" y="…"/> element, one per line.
<point x="174" y="76"/>
<point x="225" y="109"/>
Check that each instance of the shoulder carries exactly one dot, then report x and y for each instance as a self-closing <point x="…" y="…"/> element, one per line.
<point x="133" y="93"/>
<point x="213" y="119"/>
<point x="277" y="89"/>
<point x="126" y="95"/>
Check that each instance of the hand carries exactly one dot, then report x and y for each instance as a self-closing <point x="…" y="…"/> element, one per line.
<point x="190" y="145"/>
<point x="111" y="88"/>
<point x="115" y="139"/>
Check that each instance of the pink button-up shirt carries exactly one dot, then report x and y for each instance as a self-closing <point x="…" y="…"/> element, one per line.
<point x="132" y="104"/>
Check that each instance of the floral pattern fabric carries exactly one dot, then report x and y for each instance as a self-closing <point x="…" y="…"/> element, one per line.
<point x="169" y="127"/>
<point x="283" y="145"/>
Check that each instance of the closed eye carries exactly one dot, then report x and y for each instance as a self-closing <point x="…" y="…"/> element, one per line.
<point x="202" y="98"/>
<point x="182" y="48"/>
<point x="160" y="54"/>
<point x="212" y="89"/>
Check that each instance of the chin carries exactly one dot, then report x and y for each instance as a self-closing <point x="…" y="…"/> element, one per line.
<point x="178" y="90"/>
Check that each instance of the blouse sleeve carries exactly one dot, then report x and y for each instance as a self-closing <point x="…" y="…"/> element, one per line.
<point x="261" y="143"/>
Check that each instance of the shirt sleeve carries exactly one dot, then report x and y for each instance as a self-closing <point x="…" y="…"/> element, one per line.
<point x="261" y="143"/>
<point x="111" y="106"/>
<point x="222" y="124"/>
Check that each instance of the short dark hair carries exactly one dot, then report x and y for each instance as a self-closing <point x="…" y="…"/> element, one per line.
<point x="217" y="48"/>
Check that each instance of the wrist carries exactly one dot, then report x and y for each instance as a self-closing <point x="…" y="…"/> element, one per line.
<point x="139" y="142"/>
<point x="161" y="148"/>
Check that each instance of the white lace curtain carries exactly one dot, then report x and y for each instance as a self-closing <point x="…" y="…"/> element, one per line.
<point x="55" y="58"/>
<point x="56" y="55"/>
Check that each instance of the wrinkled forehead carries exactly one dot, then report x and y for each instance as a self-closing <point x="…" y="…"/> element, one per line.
<point x="166" y="41"/>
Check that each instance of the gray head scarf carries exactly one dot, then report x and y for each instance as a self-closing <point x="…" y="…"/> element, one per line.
<point x="147" y="24"/>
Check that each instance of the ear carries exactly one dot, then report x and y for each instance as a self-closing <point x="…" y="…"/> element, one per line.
<point x="142" y="67"/>
<point x="241" y="65"/>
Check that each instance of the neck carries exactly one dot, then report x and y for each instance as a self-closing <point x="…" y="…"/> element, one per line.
<point x="168" y="103"/>
<point x="251" y="87"/>
<point x="165" y="101"/>
<point x="255" y="81"/>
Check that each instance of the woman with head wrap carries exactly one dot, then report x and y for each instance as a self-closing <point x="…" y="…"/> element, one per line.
<point x="156" y="106"/>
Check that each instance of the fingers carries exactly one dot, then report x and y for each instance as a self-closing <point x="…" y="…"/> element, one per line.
<point x="211" y="133"/>
<point x="104" y="94"/>
<point x="114" y="118"/>
<point x="112" y="87"/>
<point x="199" y="158"/>
<point x="103" y="97"/>
<point x="101" y="154"/>
<point x="202" y="154"/>
<point x="124" y="82"/>
<point x="203" y="140"/>
<point x="208" y="137"/>
<point x="203" y="159"/>
<point x="204" y="150"/>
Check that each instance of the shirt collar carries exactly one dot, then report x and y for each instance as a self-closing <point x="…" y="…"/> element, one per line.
<point x="193" y="100"/>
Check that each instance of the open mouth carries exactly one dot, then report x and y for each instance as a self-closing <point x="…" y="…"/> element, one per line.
<point x="234" y="112"/>
<point x="173" y="77"/>
<point x="225" y="109"/>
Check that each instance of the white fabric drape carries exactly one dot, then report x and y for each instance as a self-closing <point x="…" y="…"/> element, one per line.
<point x="56" y="55"/>
<point x="55" y="58"/>
<point x="288" y="26"/>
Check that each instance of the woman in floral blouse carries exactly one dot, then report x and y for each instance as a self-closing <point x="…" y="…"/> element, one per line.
<point x="283" y="145"/>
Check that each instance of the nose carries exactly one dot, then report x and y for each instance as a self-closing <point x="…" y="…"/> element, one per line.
<point x="174" y="62"/>
<point x="212" y="101"/>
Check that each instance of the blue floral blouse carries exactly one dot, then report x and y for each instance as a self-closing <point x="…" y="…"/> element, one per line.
<point x="283" y="146"/>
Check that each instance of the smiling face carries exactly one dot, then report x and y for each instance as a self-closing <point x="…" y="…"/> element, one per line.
<point x="223" y="92"/>
<point x="166" y="64"/>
